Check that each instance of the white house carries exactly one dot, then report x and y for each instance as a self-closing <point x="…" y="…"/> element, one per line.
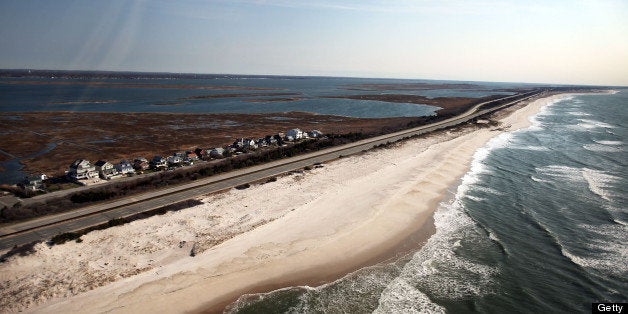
<point x="106" y="169"/>
<point x="296" y="134"/>
<point x="35" y="182"/>
<point x="124" y="167"/>
<point x="82" y="169"/>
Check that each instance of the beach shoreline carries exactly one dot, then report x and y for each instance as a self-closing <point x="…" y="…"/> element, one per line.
<point x="323" y="238"/>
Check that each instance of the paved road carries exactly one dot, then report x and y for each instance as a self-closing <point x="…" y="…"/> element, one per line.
<point x="46" y="227"/>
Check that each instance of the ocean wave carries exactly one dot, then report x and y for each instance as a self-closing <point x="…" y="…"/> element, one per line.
<point x="486" y="189"/>
<point x="607" y="250"/>
<point x="613" y="143"/>
<point x="599" y="182"/>
<point x="357" y="292"/>
<point x="475" y="198"/>
<point x="402" y="297"/>
<point x="532" y="147"/>
<point x="602" y="148"/>
<point x="593" y="124"/>
<point x="539" y="180"/>
<point x="561" y="172"/>
<point x="579" y="113"/>
<point x="437" y="269"/>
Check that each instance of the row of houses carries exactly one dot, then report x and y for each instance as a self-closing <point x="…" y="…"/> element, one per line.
<point x="82" y="169"/>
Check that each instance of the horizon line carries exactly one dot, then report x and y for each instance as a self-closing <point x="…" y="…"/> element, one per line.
<point x="298" y="76"/>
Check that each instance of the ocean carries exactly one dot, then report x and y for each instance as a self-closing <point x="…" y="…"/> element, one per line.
<point x="538" y="225"/>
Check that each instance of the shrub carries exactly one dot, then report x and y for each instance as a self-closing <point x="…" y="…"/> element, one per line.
<point x="91" y="196"/>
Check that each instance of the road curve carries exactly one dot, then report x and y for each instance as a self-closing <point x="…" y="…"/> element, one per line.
<point x="48" y="226"/>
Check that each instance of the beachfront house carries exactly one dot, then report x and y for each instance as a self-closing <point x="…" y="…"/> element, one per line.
<point x="250" y="144"/>
<point x="158" y="163"/>
<point x="124" y="167"/>
<point x="174" y="160"/>
<point x="270" y="140"/>
<point x="34" y="183"/>
<point x="315" y="134"/>
<point x="217" y="152"/>
<point x="296" y="134"/>
<point x="203" y="153"/>
<point x="238" y="144"/>
<point x="82" y="169"/>
<point x="279" y="138"/>
<point x="141" y="164"/>
<point x="106" y="170"/>
<point x="191" y="156"/>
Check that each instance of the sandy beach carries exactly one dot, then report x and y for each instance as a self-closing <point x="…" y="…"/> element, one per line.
<point x="305" y="228"/>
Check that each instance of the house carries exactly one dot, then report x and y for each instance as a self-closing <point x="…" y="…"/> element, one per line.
<point x="191" y="155"/>
<point x="289" y="138"/>
<point x="124" y="167"/>
<point x="203" y="153"/>
<point x="141" y="164"/>
<point x="82" y="169"/>
<point x="239" y="143"/>
<point x="270" y="140"/>
<point x="217" y="152"/>
<point x="279" y="138"/>
<point x="315" y="134"/>
<point x="34" y="183"/>
<point x="250" y="144"/>
<point x="106" y="169"/>
<point x="174" y="160"/>
<point x="296" y="134"/>
<point x="158" y="163"/>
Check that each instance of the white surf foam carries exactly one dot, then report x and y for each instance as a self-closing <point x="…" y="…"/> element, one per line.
<point x="599" y="182"/>
<point x="436" y="267"/>
<point x="545" y="111"/>
<point x="579" y="113"/>
<point x="602" y="148"/>
<point x="593" y="124"/>
<point x="475" y="198"/>
<point x="607" y="249"/>
<point x="486" y="189"/>
<point x="539" y="180"/>
<point x="613" y="143"/>
<point x="402" y="297"/>
<point x="532" y="147"/>
<point x="561" y="172"/>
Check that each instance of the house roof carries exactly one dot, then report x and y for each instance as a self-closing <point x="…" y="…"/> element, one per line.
<point x="77" y="162"/>
<point x="100" y="163"/>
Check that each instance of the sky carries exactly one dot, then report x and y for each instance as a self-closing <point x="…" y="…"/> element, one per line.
<point x="557" y="41"/>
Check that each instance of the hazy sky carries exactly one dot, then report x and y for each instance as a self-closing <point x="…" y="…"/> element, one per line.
<point x="570" y="41"/>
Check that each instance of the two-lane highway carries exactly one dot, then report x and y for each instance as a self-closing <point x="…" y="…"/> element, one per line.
<point x="49" y="226"/>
